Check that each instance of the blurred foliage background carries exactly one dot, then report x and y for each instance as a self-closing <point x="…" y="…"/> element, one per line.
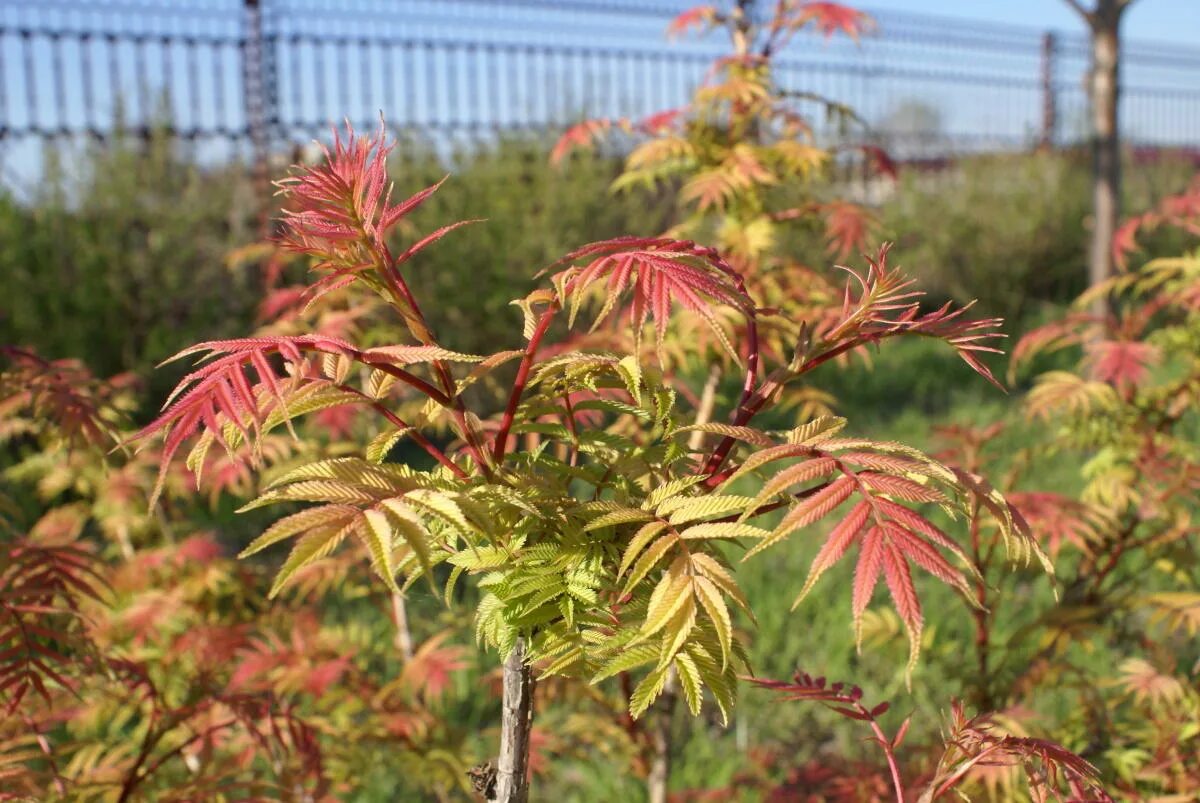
<point x="119" y="256"/>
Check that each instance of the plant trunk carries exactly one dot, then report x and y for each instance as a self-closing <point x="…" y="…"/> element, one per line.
<point x="660" y="764"/>
<point x="404" y="642"/>
<point x="512" y="770"/>
<point x="1104" y="86"/>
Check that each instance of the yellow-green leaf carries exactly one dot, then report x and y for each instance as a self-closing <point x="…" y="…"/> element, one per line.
<point x="376" y="533"/>
<point x="714" y="605"/>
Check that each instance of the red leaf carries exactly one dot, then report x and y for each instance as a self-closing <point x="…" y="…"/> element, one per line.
<point x="1121" y="363"/>
<point x="698" y="17"/>
<point x="881" y="160"/>
<point x="660" y="121"/>
<point x="580" y="135"/>
<point x="847" y="226"/>
<point x="1124" y="240"/>
<point x="219" y="393"/>
<point x="866" y="572"/>
<point x="830" y="18"/>
<point x="904" y="595"/>
<point x="660" y="272"/>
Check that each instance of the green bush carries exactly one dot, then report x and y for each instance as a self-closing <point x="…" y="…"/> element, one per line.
<point x="1010" y="230"/>
<point x="120" y="260"/>
<point x="122" y="263"/>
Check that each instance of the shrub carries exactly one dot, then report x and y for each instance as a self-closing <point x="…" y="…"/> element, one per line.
<point x="597" y="528"/>
<point x="122" y="264"/>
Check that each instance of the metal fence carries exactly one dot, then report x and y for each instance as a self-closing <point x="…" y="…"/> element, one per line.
<point x="251" y="75"/>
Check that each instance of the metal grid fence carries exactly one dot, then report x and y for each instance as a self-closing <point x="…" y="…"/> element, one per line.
<point x="262" y="73"/>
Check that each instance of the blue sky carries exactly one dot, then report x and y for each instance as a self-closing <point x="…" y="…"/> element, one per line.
<point x="1172" y="21"/>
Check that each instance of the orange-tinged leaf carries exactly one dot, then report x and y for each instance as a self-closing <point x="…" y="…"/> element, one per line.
<point x="831" y="18"/>
<point x="714" y="605"/>
<point x="668" y="597"/>
<point x="697" y="17"/>
<point x="807" y="511"/>
<point x="805" y="471"/>
<point x="904" y="595"/>
<point x="660" y="272"/>
<point x="866" y="575"/>
<point x="639" y="541"/>
<point x="921" y="553"/>
<point x="1121" y="363"/>
<point x="835" y="546"/>
<point x="649" y="559"/>
<point x="901" y="487"/>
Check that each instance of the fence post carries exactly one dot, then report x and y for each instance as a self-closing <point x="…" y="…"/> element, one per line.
<point x="257" y="84"/>
<point x="1049" y="94"/>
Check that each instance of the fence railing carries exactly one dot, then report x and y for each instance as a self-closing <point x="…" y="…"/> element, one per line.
<point x="260" y="73"/>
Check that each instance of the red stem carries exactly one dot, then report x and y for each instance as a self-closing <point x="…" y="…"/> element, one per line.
<point x="950" y="782"/>
<point x="742" y="412"/>
<point x="413" y="433"/>
<point x="519" y="383"/>
<point x="571" y="428"/>
<point x="753" y="402"/>
<point x="150" y="770"/>
<point x="407" y="378"/>
<point x="448" y="398"/>
<point x="459" y="411"/>
<point x="886" y="744"/>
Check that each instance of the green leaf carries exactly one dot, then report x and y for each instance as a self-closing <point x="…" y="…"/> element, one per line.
<point x="725" y="529"/>
<point x="410" y="527"/>
<point x="627" y="515"/>
<point x="689" y="682"/>
<point x="679" y="628"/>
<point x="310" y="547"/>
<point x="484" y="557"/>
<point x="315" y="491"/>
<point x="681" y="510"/>
<point x="383" y="443"/>
<point x="636" y="544"/>
<point x="407" y="355"/>
<point x="296" y="523"/>
<point x="376" y="533"/>
<point x="627" y="659"/>
<point x="719" y="682"/>
<point x="714" y="605"/>
<point x="671" y="594"/>
<point x="631" y="372"/>
<point x="649" y="559"/>
<point x="817" y="430"/>
<point x="647" y="692"/>
<point x="670" y="489"/>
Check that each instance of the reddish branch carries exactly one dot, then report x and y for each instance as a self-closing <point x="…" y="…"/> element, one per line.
<point x="417" y="438"/>
<point x="848" y="703"/>
<point x="519" y="383"/>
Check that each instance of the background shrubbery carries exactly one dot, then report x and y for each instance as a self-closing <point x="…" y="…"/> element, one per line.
<point x="119" y="255"/>
<point x="124" y="261"/>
